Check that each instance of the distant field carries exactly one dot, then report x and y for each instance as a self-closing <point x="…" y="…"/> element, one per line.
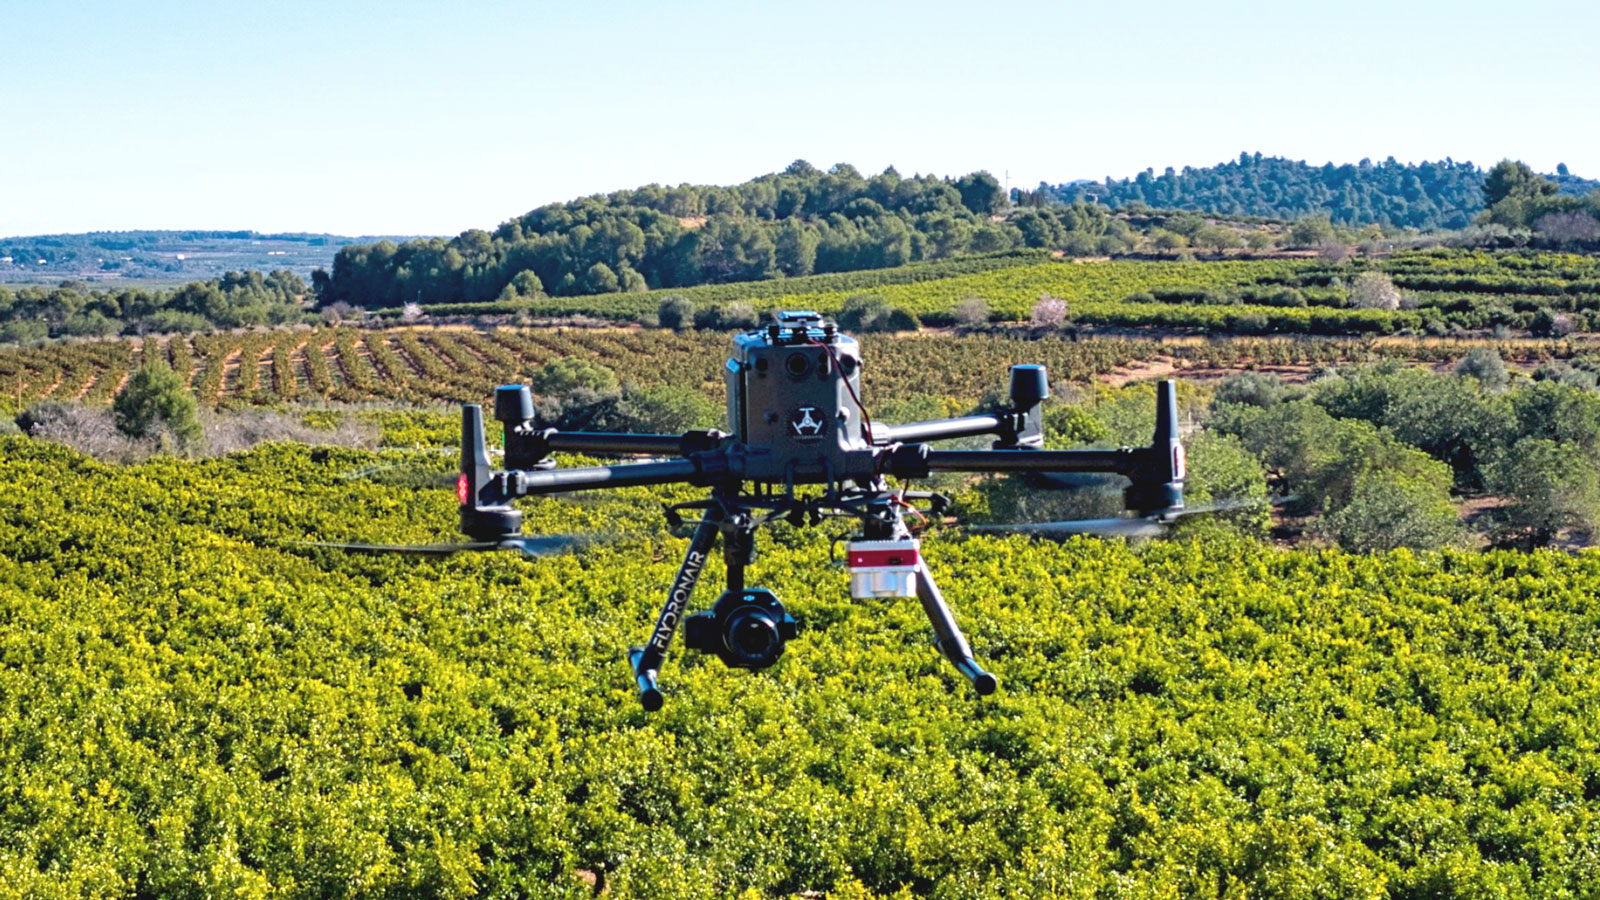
<point x="1441" y="292"/>
<point x="161" y="258"/>
<point x="428" y="365"/>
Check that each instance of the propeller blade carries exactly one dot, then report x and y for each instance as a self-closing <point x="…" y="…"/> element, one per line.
<point x="531" y="545"/>
<point x="1112" y="527"/>
<point x="1218" y="506"/>
<point x="405" y="549"/>
<point x="551" y="544"/>
<point x="1136" y="527"/>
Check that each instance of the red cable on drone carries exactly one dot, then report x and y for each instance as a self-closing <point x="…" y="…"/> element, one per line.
<point x="866" y="419"/>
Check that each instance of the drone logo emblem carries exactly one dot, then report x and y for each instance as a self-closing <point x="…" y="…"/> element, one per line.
<point x="806" y="423"/>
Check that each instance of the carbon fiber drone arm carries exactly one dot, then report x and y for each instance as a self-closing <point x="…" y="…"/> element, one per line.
<point x="1017" y="428"/>
<point x="1125" y="461"/>
<point x="485" y="494"/>
<point x="529" y="444"/>
<point x="556" y="481"/>
<point x="940" y="430"/>
<point x="1156" y="471"/>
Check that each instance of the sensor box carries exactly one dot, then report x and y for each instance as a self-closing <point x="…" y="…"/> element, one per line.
<point x="884" y="568"/>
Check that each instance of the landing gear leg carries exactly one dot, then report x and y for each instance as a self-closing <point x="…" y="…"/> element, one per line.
<point x="948" y="637"/>
<point x="646" y="660"/>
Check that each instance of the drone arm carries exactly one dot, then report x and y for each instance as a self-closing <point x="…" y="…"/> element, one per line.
<point x="521" y="483"/>
<point x="612" y="442"/>
<point x="621" y="442"/>
<point x="1020" y="427"/>
<point x="940" y="430"/>
<point x="1119" y="462"/>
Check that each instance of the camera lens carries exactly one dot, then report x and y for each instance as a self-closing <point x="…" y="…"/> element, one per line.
<point x="752" y="635"/>
<point x="797" y="364"/>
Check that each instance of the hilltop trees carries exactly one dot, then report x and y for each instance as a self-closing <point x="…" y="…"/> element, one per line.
<point x="1444" y="194"/>
<point x="801" y="221"/>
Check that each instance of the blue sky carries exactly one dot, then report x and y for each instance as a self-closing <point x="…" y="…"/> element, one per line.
<point x="412" y="118"/>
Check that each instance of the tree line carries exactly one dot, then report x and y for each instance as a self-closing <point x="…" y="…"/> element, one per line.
<point x="72" y="308"/>
<point x="797" y="222"/>
<point x="1428" y="195"/>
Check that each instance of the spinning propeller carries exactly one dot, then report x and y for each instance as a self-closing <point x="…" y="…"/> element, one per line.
<point x="532" y="545"/>
<point x="1117" y="526"/>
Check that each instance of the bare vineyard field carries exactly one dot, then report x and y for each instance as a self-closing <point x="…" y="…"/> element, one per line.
<point x="442" y="365"/>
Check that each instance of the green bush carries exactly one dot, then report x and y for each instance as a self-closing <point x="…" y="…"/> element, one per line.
<point x="675" y="312"/>
<point x="1552" y="487"/>
<point x="1484" y="364"/>
<point x="155" y="398"/>
<point x="670" y="409"/>
<point x="1391" y="509"/>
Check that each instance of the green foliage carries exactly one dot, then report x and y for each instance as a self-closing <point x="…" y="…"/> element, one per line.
<point x="1223" y="471"/>
<point x="670" y="409"/>
<point x="1427" y="195"/>
<point x="1069" y="425"/>
<point x="1552" y="486"/>
<point x="1514" y="179"/>
<point x="1391" y="509"/>
<point x="1250" y="389"/>
<point x="1457" y="420"/>
<point x="1484" y="364"/>
<point x="789" y="224"/>
<point x="193" y="707"/>
<point x="573" y="375"/>
<point x="236" y="299"/>
<point x="675" y="312"/>
<point x="153" y="400"/>
<point x="869" y="313"/>
<point x="1311" y="231"/>
<point x="734" y="316"/>
<point x="1322" y="458"/>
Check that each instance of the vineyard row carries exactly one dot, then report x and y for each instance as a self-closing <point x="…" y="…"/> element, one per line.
<point x="430" y="366"/>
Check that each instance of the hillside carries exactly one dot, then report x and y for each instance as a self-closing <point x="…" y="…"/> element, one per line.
<point x="797" y="222"/>
<point x="1445" y="194"/>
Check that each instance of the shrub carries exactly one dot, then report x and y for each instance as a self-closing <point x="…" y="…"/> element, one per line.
<point x="900" y="319"/>
<point x="155" y="398"/>
<point x="1249" y="388"/>
<point x="572" y="375"/>
<point x="1049" y="312"/>
<point x="1551" y="485"/>
<point x="23" y="331"/>
<point x="1390" y="509"/>
<point x="1484" y="364"/>
<point x="972" y="312"/>
<point x="861" y="313"/>
<point x="737" y="315"/>
<point x="675" y="312"/>
<point x="1374" y="290"/>
<point x="172" y="321"/>
<point x="670" y="409"/>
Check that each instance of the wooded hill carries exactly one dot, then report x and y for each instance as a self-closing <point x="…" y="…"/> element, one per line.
<point x="796" y="222"/>
<point x="1445" y="194"/>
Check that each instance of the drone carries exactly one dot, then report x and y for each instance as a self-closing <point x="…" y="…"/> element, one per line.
<point x="796" y="422"/>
